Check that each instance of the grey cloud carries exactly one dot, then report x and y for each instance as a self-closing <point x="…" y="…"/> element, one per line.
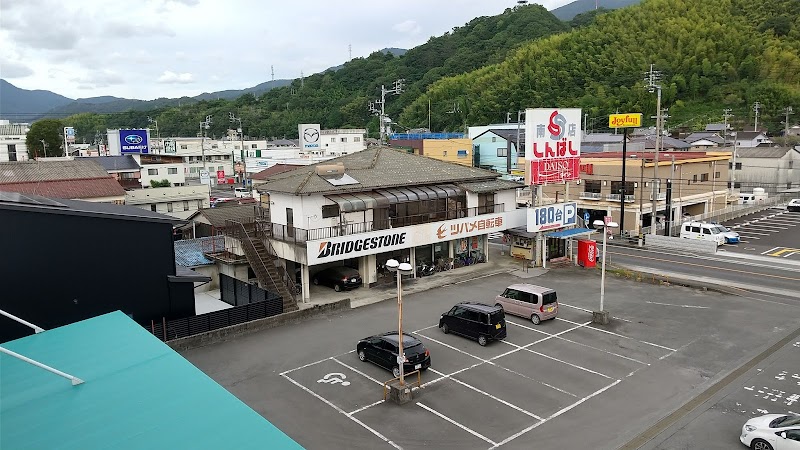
<point x="13" y="69"/>
<point x="99" y="79"/>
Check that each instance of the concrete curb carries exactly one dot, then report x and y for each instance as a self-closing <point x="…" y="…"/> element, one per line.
<point x="656" y="278"/>
<point x="235" y="331"/>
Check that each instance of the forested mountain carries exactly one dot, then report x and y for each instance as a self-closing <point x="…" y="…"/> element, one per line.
<point x="22" y="105"/>
<point x="339" y="98"/>
<point x="714" y="54"/>
<point x="570" y="10"/>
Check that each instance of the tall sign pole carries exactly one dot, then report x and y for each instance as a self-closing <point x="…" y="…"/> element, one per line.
<point x="624" y="121"/>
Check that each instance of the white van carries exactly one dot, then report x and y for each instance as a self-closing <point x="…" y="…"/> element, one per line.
<point x="702" y="230"/>
<point x="747" y="199"/>
<point x="242" y="192"/>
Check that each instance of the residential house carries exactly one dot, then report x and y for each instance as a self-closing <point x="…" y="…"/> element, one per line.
<point x="123" y="168"/>
<point x="71" y="260"/>
<point x="750" y="138"/>
<point x="498" y="150"/>
<point x="703" y="140"/>
<point x="12" y="141"/>
<point x="177" y="201"/>
<point x="162" y="167"/>
<point x="79" y="179"/>
<point x="450" y="147"/>
<point x="668" y="143"/>
<point x="775" y="169"/>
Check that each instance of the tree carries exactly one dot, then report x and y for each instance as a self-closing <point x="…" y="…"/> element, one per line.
<point x="49" y="131"/>
<point x="163" y="183"/>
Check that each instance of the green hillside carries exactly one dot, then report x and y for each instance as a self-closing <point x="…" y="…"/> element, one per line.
<point x="714" y="54"/>
<point x="340" y="98"/>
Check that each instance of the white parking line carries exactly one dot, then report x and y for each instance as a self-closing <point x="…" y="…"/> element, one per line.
<point x="589" y="310"/>
<point x="488" y="395"/>
<point x="770" y="250"/>
<point x="468" y="430"/>
<point x="557" y="360"/>
<point x="680" y="306"/>
<point x="620" y="335"/>
<point x="426" y="328"/>
<point x="365" y="407"/>
<point x="451" y="347"/>
<point x="358" y="372"/>
<point x="556" y="414"/>
<point x="349" y="416"/>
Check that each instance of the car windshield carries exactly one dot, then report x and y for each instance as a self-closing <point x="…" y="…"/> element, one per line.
<point x="721" y="229"/>
<point x="414" y="349"/>
<point x="548" y="298"/>
<point x="785" y="421"/>
<point x="496" y="317"/>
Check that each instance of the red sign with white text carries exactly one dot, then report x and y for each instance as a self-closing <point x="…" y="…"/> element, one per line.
<point x="557" y="170"/>
<point x="553" y="144"/>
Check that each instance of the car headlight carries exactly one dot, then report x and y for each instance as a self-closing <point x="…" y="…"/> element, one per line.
<point x="750" y="428"/>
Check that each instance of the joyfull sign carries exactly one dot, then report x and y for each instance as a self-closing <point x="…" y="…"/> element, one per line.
<point x="551" y="217"/>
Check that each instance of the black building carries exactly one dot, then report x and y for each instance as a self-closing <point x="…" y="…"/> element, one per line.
<point x="67" y="260"/>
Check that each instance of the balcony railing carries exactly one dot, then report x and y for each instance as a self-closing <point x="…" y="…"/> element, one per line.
<point x="301" y="236"/>
<point x="591" y="196"/>
<point x="659" y="196"/>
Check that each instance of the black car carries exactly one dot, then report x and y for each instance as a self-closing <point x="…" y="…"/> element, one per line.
<point x="339" y="278"/>
<point x="381" y="350"/>
<point x="476" y="321"/>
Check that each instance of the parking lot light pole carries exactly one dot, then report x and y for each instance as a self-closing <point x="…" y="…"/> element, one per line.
<point x="602" y="315"/>
<point x="400" y="269"/>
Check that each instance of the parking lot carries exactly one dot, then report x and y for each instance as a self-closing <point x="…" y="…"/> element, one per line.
<point x="773" y="232"/>
<point x="565" y="383"/>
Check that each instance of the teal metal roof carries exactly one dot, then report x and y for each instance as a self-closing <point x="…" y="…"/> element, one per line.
<point x="138" y="393"/>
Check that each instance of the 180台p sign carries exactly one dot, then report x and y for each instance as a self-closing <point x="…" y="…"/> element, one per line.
<point x="553" y="144"/>
<point x="551" y="217"/>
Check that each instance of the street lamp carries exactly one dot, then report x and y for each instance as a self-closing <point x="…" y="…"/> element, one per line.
<point x="602" y="315"/>
<point x="401" y="269"/>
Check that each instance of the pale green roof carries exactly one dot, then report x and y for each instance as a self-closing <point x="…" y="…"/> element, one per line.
<point x="138" y="393"/>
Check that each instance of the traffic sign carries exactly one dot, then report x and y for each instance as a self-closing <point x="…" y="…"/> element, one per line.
<point x="586" y="218"/>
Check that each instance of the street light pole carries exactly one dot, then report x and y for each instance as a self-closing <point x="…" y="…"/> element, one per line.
<point x="233" y="118"/>
<point x="602" y="317"/>
<point x="204" y="125"/>
<point x="400" y="269"/>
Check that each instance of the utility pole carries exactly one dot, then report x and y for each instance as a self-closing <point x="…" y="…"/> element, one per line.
<point x="756" y="107"/>
<point x="158" y="137"/>
<point x="272" y="70"/>
<point x="234" y="119"/>
<point x="726" y="114"/>
<point x="378" y="107"/>
<point x="204" y="125"/>
<point x="652" y="79"/>
<point x="787" y="111"/>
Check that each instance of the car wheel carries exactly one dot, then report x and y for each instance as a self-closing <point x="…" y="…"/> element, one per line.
<point x="536" y="319"/>
<point x="760" y="444"/>
<point x="445" y="329"/>
<point x="396" y="371"/>
<point x="337" y="287"/>
<point x="362" y="356"/>
<point x="315" y="281"/>
<point x="482" y="341"/>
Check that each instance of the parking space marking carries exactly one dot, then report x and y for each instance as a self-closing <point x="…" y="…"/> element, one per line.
<point x="749" y="232"/>
<point x="680" y="306"/>
<point x="789" y="250"/>
<point x="340" y="410"/>
<point x="556" y="359"/>
<point x="589" y="311"/>
<point x="426" y="328"/>
<point x="603" y="351"/>
<point x="619" y="335"/>
<point x="557" y="413"/>
<point x="497" y="399"/>
<point x="468" y="430"/>
<point x="366" y="407"/>
<point x="770" y="250"/>
<point x="452" y="348"/>
<point x="358" y="371"/>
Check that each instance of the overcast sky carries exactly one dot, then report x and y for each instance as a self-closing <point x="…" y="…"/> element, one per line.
<point x="171" y="48"/>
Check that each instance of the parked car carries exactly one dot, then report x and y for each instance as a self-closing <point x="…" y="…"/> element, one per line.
<point x="475" y="321"/>
<point x="533" y="302"/>
<point x="382" y="350"/>
<point x="338" y="277"/>
<point x="703" y="231"/>
<point x="772" y="432"/>
<point x="241" y="192"/>
<point x="794" y="205"/>
<point x="731" y="237"/>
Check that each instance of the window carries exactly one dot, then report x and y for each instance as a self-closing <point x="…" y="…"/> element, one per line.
<point x="220" y="168"/>
<point x="153" y="207"/>
<point x="502" y="152"/>
<point x="186" y="205"/>
<point x="193" y="169"/>
<point x="463" y="153"/>
<point x="472" y="315"/>
<point x="344" y="139"/>
<point x="357" y="139"/>
<point x="695" y="229"/>
<point x="333" y="139"/>
<point x="738" y="166"/>
<point x="716" y="174"/>
<point x="791" y="163"/>
<point x="330" y="211"/>
<point x="253" y="145"/>
<point x="444" y="153"/>
<point x="593" y="186"/>
<point x="494" y="139"/>
<point x="706" y="231"/>
<point x="236" y="147"/>
<point x="172" y="171"/>
<point x="12" y="153"/>
<point x="694" y="178"/>
<point x="169" y="207"/>
<point x="214" y="146"/>
<point x="152" y="171"/>
<point x="184" y="146"/>
<point x="704" y="177"/>
<point x="199" y="204"/>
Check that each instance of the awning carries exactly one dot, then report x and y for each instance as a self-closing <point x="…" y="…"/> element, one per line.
<point x="573" y="232"/>
<point x="356" y="202"/>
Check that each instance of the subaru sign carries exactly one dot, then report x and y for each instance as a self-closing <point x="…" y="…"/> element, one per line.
<point x="551" y="217"/>
<point x="133" y="141"/>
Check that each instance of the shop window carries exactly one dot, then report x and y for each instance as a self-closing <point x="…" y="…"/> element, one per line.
<point x="592" y="186"/>
<point x="330" y="211"/>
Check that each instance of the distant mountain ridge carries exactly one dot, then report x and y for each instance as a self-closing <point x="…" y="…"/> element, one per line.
<point x="570" y="10"/>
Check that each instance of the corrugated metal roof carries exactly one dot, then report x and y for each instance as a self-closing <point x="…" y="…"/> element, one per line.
<point x="189" y="252"/>
<point x="137" y="392"/>
<point x="481" y="187"/>
<point x="124" y="163"/>
<point x="44" y="170"/>
<point x="217" y="216"/>
<point x="75" y="189"/>
<point x="762" y="152"/>
<point x="377" y="168"/>
<point x="93" y="209"/>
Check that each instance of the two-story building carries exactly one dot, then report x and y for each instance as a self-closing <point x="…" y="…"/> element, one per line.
<point x="775" y="169"/>
<point x="12" y="141"/>
<point x="450" y="147"/>
<point x="161" y="167"/>
<point x="381" y="203"/>
<point x="123" y="168"/>
<point x="176" y="201"/>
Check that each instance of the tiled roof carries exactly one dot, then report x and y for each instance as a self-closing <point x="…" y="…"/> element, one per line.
<point x="490" y="185"/>
<point x="762" y="152"/>
<point x="74" y="189"/>
<point x="376" y="168"/>
<point x="189" y="252"/>
<point x="713" y="137"/>
<point x="745" y="135"/>
<point x="218" y="216"/>
<point x="667" y="142"/>
<point x="274" y="170"/>
<point x="124" y="163"/>
<point x="44" y="170"/>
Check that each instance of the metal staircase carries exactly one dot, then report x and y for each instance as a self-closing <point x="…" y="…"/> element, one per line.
<point x="270" y="273"/>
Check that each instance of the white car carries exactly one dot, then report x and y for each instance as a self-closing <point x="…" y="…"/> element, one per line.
<point x="772" y="432"/>
<point x="731" y="237"/>
<point x="794" y="205"/>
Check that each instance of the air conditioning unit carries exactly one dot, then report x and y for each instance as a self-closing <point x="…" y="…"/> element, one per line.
<point x="330" y="170"/>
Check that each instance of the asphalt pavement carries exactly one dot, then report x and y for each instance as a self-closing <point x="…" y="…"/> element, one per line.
<point x="773" y="232"/>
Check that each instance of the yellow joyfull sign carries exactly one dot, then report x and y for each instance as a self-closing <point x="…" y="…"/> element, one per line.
<point x="628" y="120"/>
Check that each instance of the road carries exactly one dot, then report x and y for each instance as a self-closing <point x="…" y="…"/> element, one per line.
<point x="760" y="277"/>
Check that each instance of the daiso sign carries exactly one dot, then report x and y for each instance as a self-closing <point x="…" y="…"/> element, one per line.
<point x="553" y="144"/>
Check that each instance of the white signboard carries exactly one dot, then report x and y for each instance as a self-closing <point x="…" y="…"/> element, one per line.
<point x="553" y="144"/>
<point x="552" y="217"/>
<point x="204" y="178"/>
<point x="374" y="242"/>
<point x="309" y="136"/>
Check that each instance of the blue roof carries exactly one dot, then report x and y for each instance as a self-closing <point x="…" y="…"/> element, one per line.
<point x="189" y="252"/>
<point x="137" y="392"/>
<point x="570" y="233"/>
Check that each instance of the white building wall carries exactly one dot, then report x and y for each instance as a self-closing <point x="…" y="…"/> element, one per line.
<point x="162" y="172"/>
<point x="508" y="198"/>
<point x="12" y="135"/>
<point x="179" y="201"/>
<point x="342" y="141"/>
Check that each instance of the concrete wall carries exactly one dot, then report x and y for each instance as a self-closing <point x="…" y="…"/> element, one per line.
<point x="232" y="332"/>
<point x="686" y="245"/>
<point x="447" y="150"/>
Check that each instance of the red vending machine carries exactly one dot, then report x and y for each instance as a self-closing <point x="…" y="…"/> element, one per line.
<point x="587" y="253"/>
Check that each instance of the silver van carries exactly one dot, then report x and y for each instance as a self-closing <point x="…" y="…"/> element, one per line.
<point x="533" y="302"/>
